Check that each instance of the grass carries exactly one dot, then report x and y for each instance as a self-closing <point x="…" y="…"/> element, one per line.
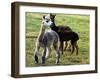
<point x="78" y="23"/>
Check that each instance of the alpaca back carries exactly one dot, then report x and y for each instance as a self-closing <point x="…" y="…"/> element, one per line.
<point x="66" y="36"/>
<point x="50" y="37"/>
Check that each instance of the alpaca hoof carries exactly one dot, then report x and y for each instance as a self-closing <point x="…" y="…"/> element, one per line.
<point x="36" y="59"/>
<point x="43" y="60"/>
<point x="77" y="54"/>
<point x="57" y="62"/>
<point x="71" y="53"/>
<point x="68" y="49"/>
<point x="43" y="63"/>
<point x="64" y="49"/>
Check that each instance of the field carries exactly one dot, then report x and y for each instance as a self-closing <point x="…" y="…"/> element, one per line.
<point x="78" y="23"/>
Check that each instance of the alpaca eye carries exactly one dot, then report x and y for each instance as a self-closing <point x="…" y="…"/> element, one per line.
<point x="47" y="21"/>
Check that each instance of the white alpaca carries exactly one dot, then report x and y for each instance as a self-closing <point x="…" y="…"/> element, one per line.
<point x="45" y="40"/>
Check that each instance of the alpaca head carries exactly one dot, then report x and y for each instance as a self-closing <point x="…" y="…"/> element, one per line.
<point x="51" y="17"/>
<point x="46" y="21"/>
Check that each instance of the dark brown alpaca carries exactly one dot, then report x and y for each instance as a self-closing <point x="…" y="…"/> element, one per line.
<point x="61" y="28"/>
<point x="66" y="34"/>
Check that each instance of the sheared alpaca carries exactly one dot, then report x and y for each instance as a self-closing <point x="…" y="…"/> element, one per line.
<point x="45" y="40"/>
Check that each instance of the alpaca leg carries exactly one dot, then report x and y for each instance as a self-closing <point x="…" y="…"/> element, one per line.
<point x="73" y="47"/>
<point x="69" y="45"/>
<point x="66" y="44"/>
<point x="44" y="56"/>
<point x="48" y="52"/>
<point x="56" y="47"/>
<point x="76" y="46"/>
<point x="57" y="56"/>
<point x="62" y="46"/>
<point x="36" y="53"/>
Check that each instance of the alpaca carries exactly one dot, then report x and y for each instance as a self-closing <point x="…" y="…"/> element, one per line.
<point x="66" y="36"/>
<point x="45" y="40"/>
<point x="61" y="28"/>
<point x="72" y="36"/>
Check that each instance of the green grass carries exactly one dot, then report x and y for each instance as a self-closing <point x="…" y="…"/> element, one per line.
<point x="78" y="23"/>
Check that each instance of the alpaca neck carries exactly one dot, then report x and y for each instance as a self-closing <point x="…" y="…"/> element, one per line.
<point x="42" y="31"/>
<point x="54" y="27"/>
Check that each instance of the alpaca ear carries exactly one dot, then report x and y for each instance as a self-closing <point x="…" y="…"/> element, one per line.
<point x="43" y="17"/>
<point x="54" y="14"/>
<point x="50" y="14"/>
